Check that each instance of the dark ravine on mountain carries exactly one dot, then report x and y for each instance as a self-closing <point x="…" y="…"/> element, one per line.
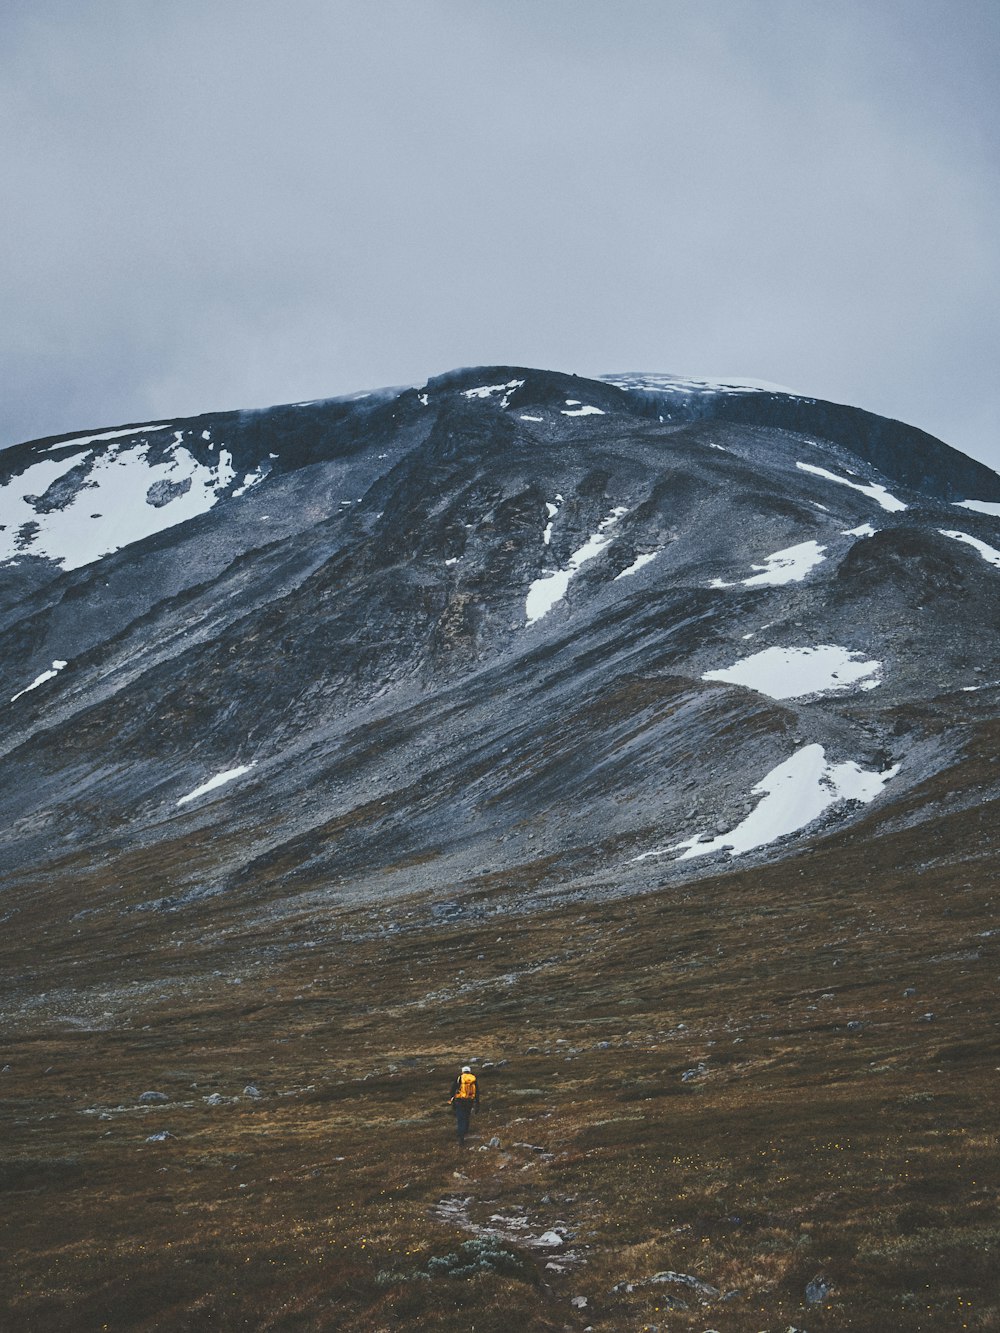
<point x="508" y="642"/>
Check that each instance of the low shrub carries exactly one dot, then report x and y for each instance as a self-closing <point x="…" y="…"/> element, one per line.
<point x="483" y="1255"/>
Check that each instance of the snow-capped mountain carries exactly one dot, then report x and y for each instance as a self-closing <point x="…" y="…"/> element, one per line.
<point x="511" y="626"/>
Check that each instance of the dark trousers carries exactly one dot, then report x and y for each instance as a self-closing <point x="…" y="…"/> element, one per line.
<point x="463" y="1110"/>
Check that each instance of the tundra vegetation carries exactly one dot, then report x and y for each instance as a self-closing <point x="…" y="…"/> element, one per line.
<point x="773" y="1080"/>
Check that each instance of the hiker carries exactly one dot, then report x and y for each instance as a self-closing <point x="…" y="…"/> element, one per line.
<point x="463" y="1100"/>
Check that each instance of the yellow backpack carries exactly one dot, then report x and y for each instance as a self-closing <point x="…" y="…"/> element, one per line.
<point x="466" y="1087"/>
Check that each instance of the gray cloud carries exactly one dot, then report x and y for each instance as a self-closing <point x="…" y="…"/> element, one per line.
<point x="212" y="204"/>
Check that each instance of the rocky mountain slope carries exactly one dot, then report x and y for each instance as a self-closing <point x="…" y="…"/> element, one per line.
<point x="619" y="631"/>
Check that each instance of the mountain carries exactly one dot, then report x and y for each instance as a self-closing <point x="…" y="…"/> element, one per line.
<point x="511" y="642"/>
<point x="511" y="618"/>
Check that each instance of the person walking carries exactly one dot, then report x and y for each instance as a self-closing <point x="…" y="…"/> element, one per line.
<point x="463" y="1101"/>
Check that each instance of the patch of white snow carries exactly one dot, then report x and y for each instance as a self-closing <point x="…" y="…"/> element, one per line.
<point x="219" y="780"/>
<point x="875" y="492"/>
<point x="790" y="565"/>
<point x="17" y="494"/>
<point x="989" y="553"/>
<point x="980" y="506"/>
<point x="790" y="673"/>
<point x="792" y="795"/>
<point x="545" y="592"/>
<point x="57" y="666"/>
<point x="638" y="563"/>
<point x="552" y="510"/>
<point x="80" y="441"/>
<point x="488" y="390"/>
<point x="682" y="384"/>
<point x="109" y="509"/>
<point x="250" y="479"/>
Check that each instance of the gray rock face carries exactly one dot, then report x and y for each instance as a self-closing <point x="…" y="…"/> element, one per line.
<point x="511" y="622"/>
<point x="162" y="492"/>
<point x="670" y="1278"/>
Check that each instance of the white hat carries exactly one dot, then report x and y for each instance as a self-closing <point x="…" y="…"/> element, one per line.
<point x="466" y="1069"/>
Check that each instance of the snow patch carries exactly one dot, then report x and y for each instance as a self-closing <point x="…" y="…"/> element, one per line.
<point x="989" y="553"/>
<point x="17" y="495"/>
<point x="790" y="565"/>
<point x="980" y="506"/>
<point x="552" y="510"/>
<point x="681" y="384"/>
<point x="875" y="492"/>
<point x="219" y="780"/>
<point x="525" y="418"/>
<point x="250" y="479"/>
<point x="57" y="666"/>
<point x="488" y="390"/>
<point x="81" y="441"/>
<point x="863" y="530"/>
<point x="110" y="508"/>
<point x="793" y="794"/>
<point x="585" y="411"/>
<point x="545" y="592"/>
<point x="638" y="563"/>
<point x="790" y="673"/>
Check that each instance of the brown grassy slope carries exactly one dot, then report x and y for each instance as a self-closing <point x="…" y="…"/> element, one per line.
<point x="799" y="1146"/>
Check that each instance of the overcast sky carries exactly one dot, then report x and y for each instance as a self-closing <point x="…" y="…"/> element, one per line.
<point x="229" y="203"/>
